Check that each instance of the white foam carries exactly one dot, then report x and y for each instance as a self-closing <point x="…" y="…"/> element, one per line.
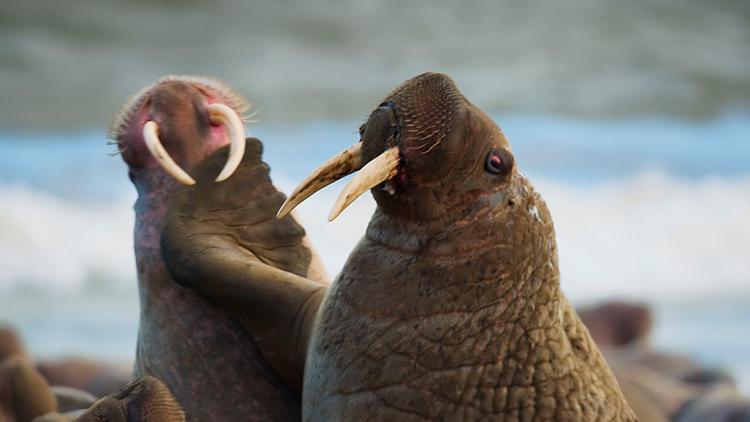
<point x="651" y="237"/>
<point x="61" y="244"/>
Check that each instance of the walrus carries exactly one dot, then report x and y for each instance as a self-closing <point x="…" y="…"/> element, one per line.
<point x="449" y="308"/>
<point x="10" y="343"/>
<point x="145" y="400"/>
<point x="207" y="360"/>
<point x="24" y="393"/>
<point x="616" y="323"/>
<point x="96" y="377"/>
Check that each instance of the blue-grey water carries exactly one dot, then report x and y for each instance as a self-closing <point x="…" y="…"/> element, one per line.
<point x="631" y="118"/>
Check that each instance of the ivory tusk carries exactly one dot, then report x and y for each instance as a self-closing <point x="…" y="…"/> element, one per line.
<point x="221" y="113"/>
<point x="380" y="169"/>
<point x="336" y="167"/>
<point x="151" y="138"/>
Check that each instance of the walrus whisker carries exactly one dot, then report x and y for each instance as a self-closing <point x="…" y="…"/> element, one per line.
<point x="116" y="152"/>
<point x="336" y="167"/>
<point x="249" y="117"/>
<point x="438" y="142"/>
<point x="221" y="113"/>
<point x="151" y="139"/>
<point x="380" y="169"/>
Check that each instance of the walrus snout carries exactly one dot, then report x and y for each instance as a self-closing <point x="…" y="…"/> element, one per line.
<point x="422" y="138"/>
<point x="181" y="119"/>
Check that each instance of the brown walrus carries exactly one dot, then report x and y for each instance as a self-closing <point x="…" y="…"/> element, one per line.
<point x="617" y="324"/>
<point x="10" y="343"/>
<point x="208" y="361"/>
<point x="449" y="308"/>
<point x="24" y="393"/>
<point x="144" y="400"/>
<point x="226" y="243"/>
<point x="96" y="377"/>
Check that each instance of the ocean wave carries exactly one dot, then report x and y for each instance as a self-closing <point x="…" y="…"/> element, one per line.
<point x="63" y="245"/>
<point x="651" y="237"/>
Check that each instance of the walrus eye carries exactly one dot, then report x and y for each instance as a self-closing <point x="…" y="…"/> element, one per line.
<point x="494" y="162"/>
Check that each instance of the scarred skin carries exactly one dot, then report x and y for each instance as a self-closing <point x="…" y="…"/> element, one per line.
<point x="450" y="307"/>
<point x="184" y="340"/>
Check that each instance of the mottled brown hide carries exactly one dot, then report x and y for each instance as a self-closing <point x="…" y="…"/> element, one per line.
<point x="96" y="377"/>
<point x="225" y="242"/>
<point x="10" y="343"/>
<point x="450" y="307"/>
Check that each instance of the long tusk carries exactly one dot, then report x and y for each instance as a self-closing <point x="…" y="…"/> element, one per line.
<point x="151" y="138"/>
<point x="380" y="169"/>
<point x="221" y="113"/>
<point x="338" y="166"/>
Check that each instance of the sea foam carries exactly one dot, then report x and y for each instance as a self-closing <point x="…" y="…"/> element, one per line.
<point x="650" y="236"/>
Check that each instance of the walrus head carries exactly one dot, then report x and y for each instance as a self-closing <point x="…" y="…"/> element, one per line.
<point x="145" y="399"/>
<point x="180" y="119"/>
<point x="425" y="152"/>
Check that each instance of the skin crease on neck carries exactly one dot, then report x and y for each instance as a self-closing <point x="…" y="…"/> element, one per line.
<point x="184" y="340"/>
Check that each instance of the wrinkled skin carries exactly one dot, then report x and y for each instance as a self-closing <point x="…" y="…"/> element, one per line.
<point x="450" y="307"/>
<point x="206" y="359"/>
<point x="226" y="243"/>
<point x="145" y="399"/>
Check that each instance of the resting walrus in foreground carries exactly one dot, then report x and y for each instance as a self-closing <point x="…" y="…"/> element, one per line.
<point x="206" y="359"/>
<point x="449" y="308"/>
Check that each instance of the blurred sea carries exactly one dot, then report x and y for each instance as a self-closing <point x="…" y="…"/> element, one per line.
<point x="631" y="118"/>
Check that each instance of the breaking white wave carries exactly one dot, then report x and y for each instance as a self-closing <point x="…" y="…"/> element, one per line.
<point x="650" y="236"/>
<point x="61" y="244"/>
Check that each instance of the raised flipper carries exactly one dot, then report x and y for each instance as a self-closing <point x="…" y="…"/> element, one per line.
<point x="224" y="240"/>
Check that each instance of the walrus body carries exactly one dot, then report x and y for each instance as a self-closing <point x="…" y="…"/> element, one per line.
<point x="450" y="307"/>
<point x="205" y="358"/>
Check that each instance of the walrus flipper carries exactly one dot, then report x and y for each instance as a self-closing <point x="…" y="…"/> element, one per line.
<point x="225" y="241"/>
